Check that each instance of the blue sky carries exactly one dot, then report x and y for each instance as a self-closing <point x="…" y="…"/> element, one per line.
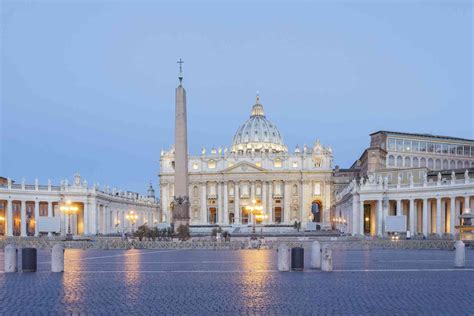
<point x="89" y="86"/>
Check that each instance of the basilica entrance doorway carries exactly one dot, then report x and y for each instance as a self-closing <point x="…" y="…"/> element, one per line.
<point x="278" y="215"/>
<point x="212" y="215"/>
<point x="245" y="215"/>
<point x="316" y="207"/>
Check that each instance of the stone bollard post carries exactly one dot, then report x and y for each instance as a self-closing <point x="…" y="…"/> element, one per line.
<point x="326" y="259"/>
<point x="316" y="255"/>
<point x="283" y="258"/>
<point x="57" y="258"/>
<point x="460" y="254"/>
<point x="10" y="254"/>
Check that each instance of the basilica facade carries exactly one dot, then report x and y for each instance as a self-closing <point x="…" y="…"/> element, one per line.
<point x="257" y="172"/>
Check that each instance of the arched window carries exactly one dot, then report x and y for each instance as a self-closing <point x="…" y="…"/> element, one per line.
<point x="472" y="164"/>
<point x="407" y="162"/>
<point x="459" y="164"/>
<point x="445" y="164"/>
<point x="399" y="161"/>
<point x="466" y="164"/>
<point x="295" y="189"/>
<point x="452" y="164"/>
<point x="195" y="191"/>
<point x="391" y="161"/>
<point x="423" y="162"/>
<point x="438" y="164"/>
<point x="415" y="162"/>
<point x="430" y="163"/>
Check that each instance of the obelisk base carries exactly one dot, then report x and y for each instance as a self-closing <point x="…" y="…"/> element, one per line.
<point x="180" y="213"/>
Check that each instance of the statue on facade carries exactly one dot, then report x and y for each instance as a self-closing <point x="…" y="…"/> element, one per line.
<point x="439" y="177"/>
<point x="453" y="176"/>
<point x="203" y="151"/>
<point x="399" y="179"/>
<point x="466" y="174"/>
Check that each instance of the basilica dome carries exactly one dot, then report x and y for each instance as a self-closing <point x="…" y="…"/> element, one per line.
<point x="258" y="134"/>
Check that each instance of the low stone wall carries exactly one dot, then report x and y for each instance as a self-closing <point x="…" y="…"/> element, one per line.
<point x="117" y="243"/>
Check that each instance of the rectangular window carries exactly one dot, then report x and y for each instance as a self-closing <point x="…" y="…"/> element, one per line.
<point x="452" y="149"/>
<point x="422" y="147"/>
<point x="392" y="144"/>
<point x="211" y="164"/>
<point x="431" y="147"/>
<point x="472" y="151"/>
<point x="467" y="151"/>
<point x="459" y="150"/>
<point x="407" y="145"/>
<point x="438" y="148"/>
<point x="444" y="148"/>
<point x="414" y="146"/>
<point x="399" y="145"/>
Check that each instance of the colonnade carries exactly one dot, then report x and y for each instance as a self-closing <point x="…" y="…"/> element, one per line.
<point x="424" y="215"/>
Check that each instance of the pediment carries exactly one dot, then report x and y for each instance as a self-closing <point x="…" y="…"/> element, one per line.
<point x="243" y="167"/>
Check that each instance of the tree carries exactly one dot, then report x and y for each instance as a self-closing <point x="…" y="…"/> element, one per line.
<point x="141" y="232"/>
<point x="183" y="232"/>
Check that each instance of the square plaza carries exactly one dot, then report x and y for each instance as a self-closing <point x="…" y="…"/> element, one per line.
<point x="203" y="282"/>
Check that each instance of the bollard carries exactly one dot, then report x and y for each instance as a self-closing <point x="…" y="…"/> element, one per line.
<point x="297" y="259"/>
<point x="57" y="258"/>
<point x="326" y="259"/>
<point x="10" y="254"/>
<point x="28" y="259"/>
<point x="283" y="258"/>
<point x="460" y="254"/>
<point x="316" y="255"/>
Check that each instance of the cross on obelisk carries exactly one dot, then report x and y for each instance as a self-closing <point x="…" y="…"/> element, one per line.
<point x="180" y="62"/>
<point x="181" y="182"/>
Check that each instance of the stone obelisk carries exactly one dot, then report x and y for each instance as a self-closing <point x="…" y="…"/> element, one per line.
<point x="181" y="190"/>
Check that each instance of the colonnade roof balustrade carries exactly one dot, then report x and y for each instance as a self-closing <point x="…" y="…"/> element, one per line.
<point x="77" y="187"/>
<point x="377" y="184"/>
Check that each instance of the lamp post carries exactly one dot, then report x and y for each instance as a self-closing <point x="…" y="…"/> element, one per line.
<point x="257" y="211"/>
<point x="68" y="209"/>
<point x="132" y="217"/>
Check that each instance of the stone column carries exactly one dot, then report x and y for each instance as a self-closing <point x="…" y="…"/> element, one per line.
<point x="219" y="202"/>
<point x="270" y="202"/>
<point x="23" y="219"/>
<point x="452" y="215"/>
<point x="425" y="217"/>
<point x="287" y="202"/>
<point x="225" y="218"/>
<point x="204" y="203"/>
<point x="438" y="216"/>
<point x="399" y="207"/>
<point x="165" y="203"/>
<point x="467" y="206"/>
<point x="252" y="198"/>
<point x="380" y="218"/>
<point x="355" y="216"/>
<point x="264" y="199"/>
<point x="86" y="218"/>
<point x="362" y="218"/>
<point x="412" y="217"/>
<point x="9" y="218"/>
<point x="236" y="203"/>
<point x="36" y="217"/>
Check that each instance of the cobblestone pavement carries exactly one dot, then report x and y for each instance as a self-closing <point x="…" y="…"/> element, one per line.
<point x="203" y="282"/>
